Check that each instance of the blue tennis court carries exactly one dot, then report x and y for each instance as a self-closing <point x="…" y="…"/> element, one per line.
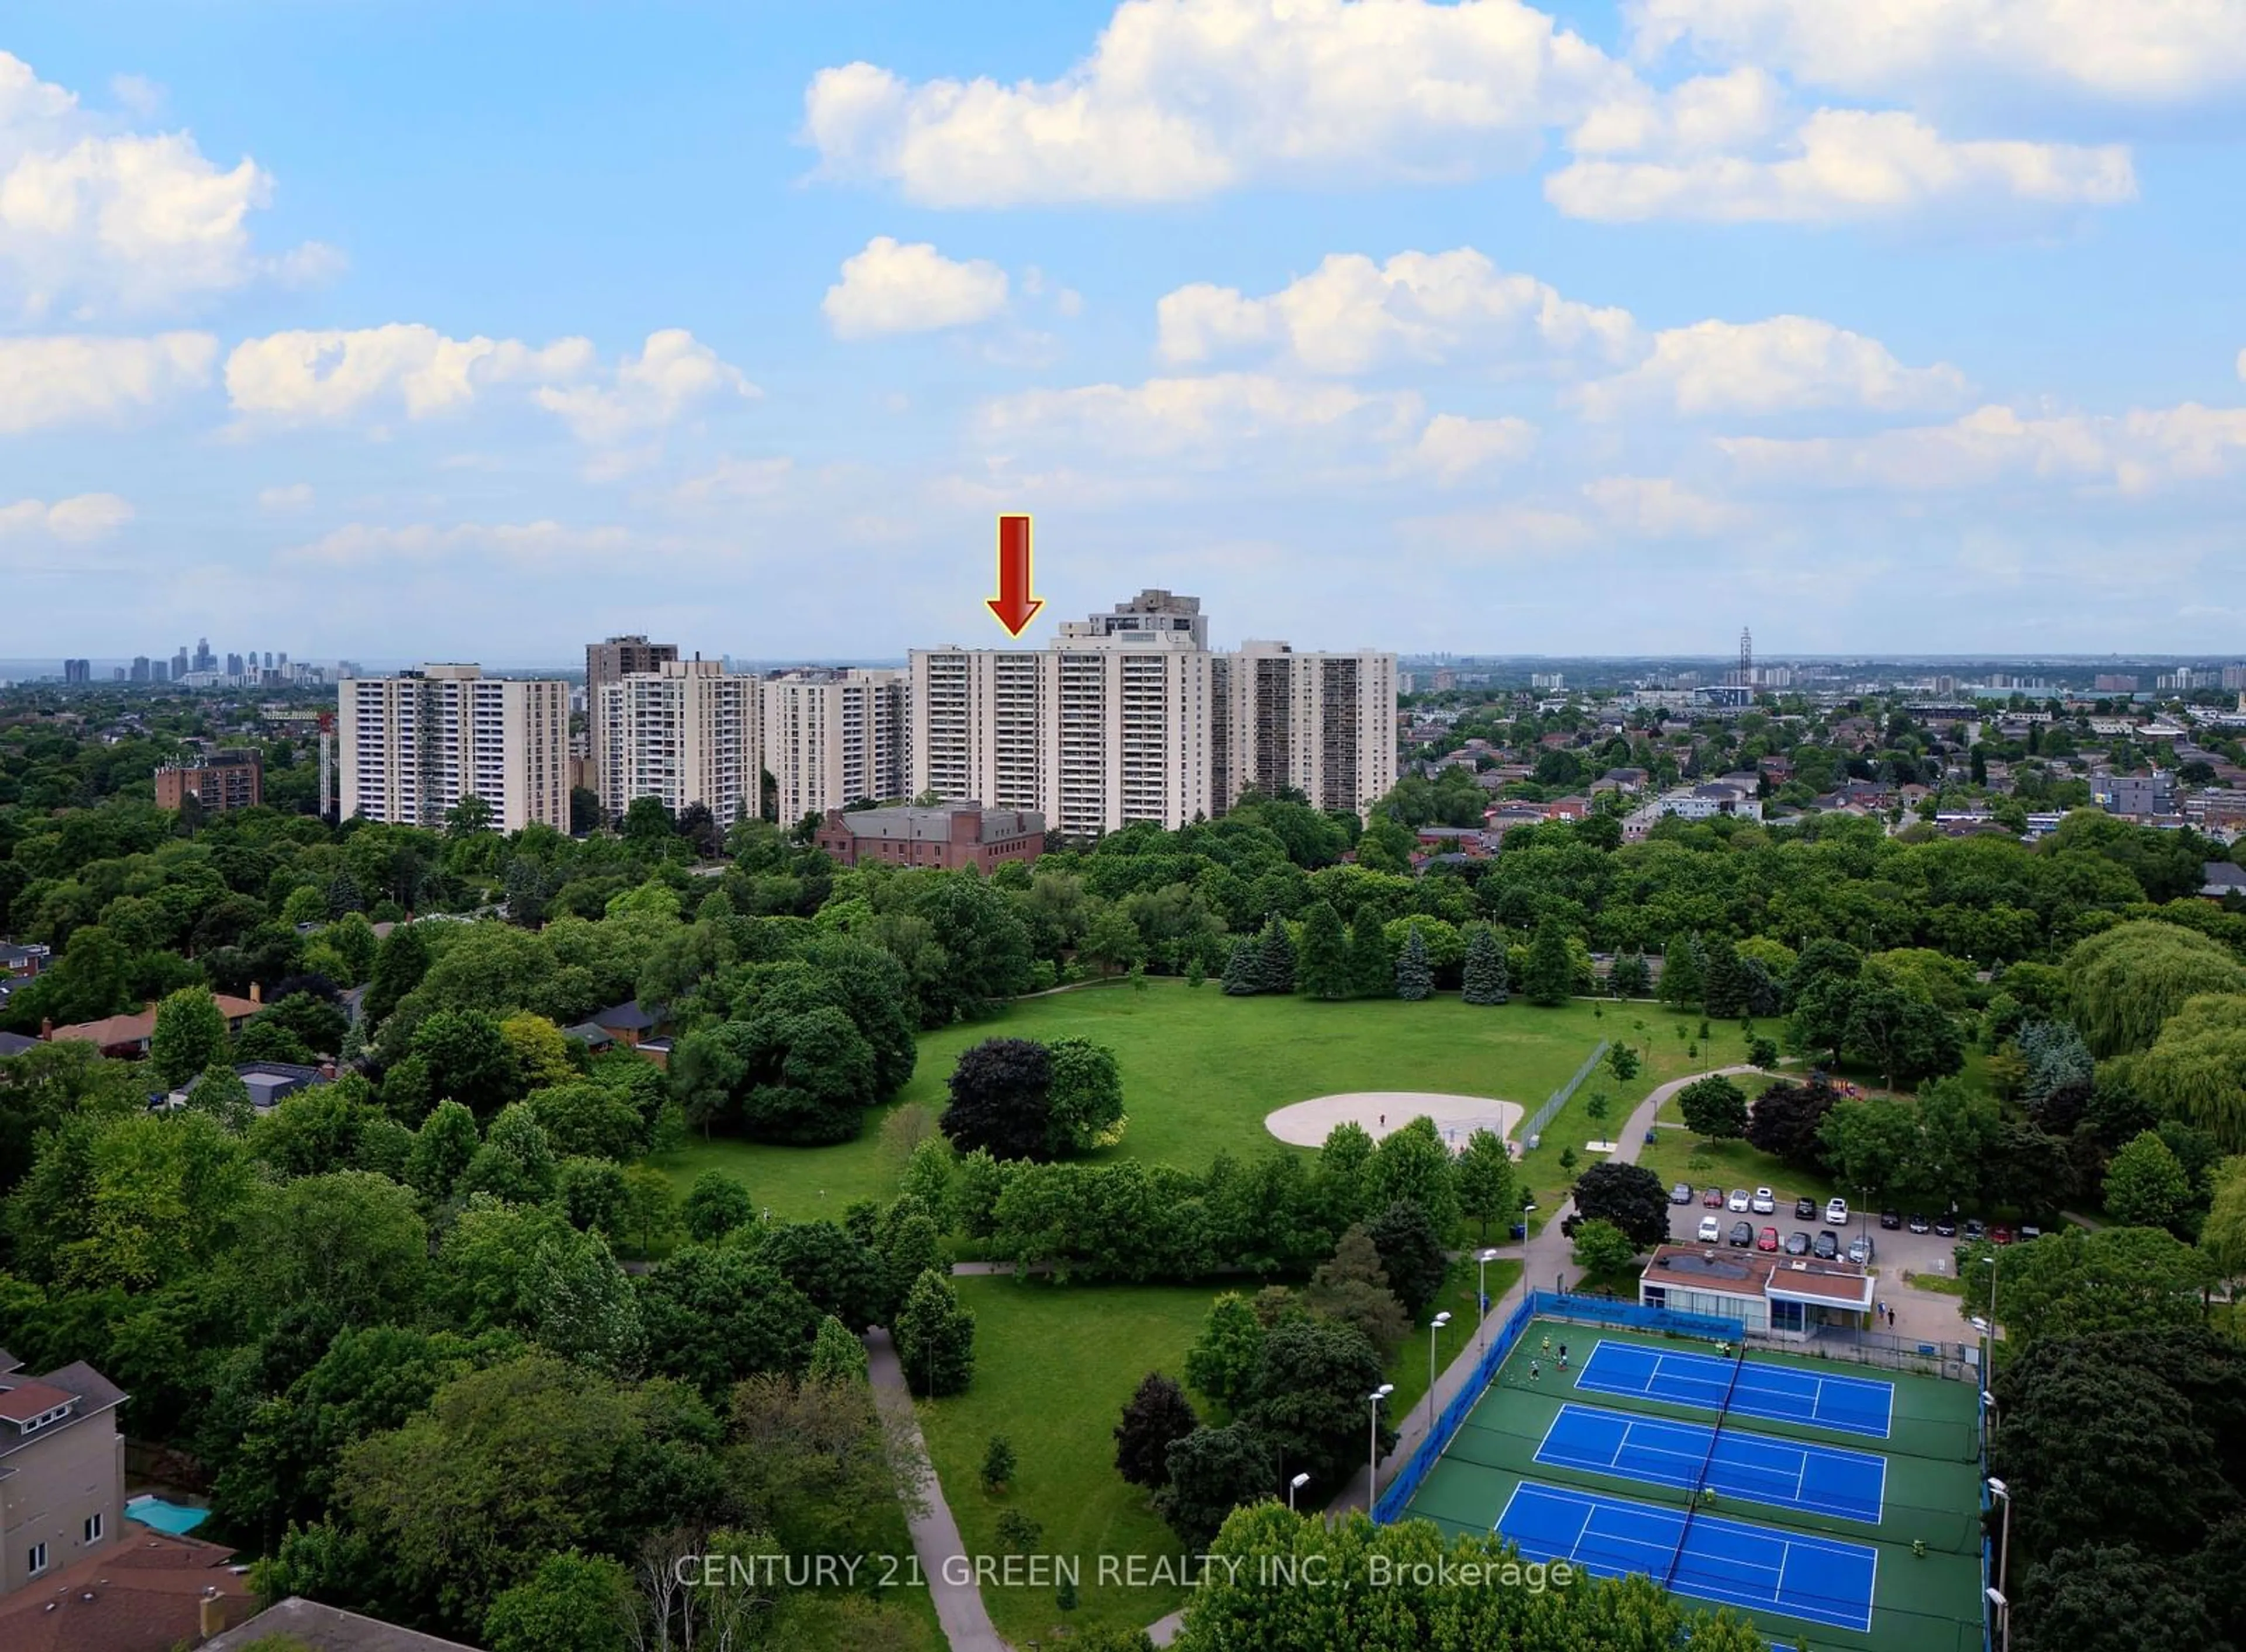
<point x="1816" y="1579"/>
<point x="1775" y="1393"/>
<point x="1818" y="1479"/>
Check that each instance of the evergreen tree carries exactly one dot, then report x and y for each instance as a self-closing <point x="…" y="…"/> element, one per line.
<point x="1239" y="972"/>
<point x="1684" y="980"/>
<point x="1485" y="977"/>
<point x="1322" y="971"/>
<point x="1274" y="957"/>
<point x="997" y="1464"/>
<point x="1724" y="983"/>
<point x="1370" y="969"/>
<point x="1414" y="979"/>
<point x="1551" y="972"/>
<point x="935" y="1337"/>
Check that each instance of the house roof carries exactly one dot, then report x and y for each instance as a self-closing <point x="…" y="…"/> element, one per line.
<point x="328" y="1628"/>
<point x="2223" y="876"/>
<point x="141" y="1025"/>
<point x="14" y="1043"/>
<point x="21" y="1402"/>
<point x="585" y="1032"/>
<point x="623" y="1018"/>
<point x="79" y="1378"/>
<point x="143" y="1593"/>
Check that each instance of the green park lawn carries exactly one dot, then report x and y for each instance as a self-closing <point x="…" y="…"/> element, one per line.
<point x="1407" y="1367"/>
<point x="1201" y="1072"/>
<point x="1053" y="1366"/>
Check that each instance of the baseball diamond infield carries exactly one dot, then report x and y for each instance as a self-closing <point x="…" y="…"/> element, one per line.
<point x="1307" y="1124"/>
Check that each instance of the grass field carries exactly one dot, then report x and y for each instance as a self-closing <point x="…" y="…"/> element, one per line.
<point x="1925" y="1602"/>
<point x="1408" y="1369"/>
<point x="1053" y="1366"/>
<point x="1201" y="1072"/>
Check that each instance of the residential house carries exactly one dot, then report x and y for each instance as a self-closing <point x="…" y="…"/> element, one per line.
<point x="1470" y="842"/>
<point x="24" y="959"/>
<point x="2225" y="879"/>
<point x="148" y="1591"/>
<point x="128" y="1036"/>
<point x="299" y="1623"/>
<point x="62" y="1470"/>
<point x="14" y="1043"/>
<point x="268" y="1082"/>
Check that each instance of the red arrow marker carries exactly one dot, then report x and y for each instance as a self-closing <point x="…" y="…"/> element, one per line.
<point x="1014" y="606"/>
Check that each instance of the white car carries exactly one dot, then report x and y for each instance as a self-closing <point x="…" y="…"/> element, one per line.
<point x="1712" y="1230"/>
<point x="1739" y="1199"/>
<point x="1764" y="1202"/>
<point x="1836" y="1213"/>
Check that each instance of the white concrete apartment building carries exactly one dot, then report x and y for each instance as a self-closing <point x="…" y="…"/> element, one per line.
<point x="413" y="745"/>
<point x="686" y="732"/>
<point x="611" y="662"/>
<point x="1129" y="716"/>
<point x="834" y="737"/>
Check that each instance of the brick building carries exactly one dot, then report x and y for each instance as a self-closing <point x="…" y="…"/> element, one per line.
<point x="965" y="834"/>
<point x="220" y="782"/>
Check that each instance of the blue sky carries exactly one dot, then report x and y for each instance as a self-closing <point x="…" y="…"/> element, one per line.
<point x="424" y="329"/>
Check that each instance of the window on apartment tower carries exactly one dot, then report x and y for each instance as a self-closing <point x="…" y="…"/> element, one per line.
<point x="93" y="1526"/>
<point x="36" y="1560"/>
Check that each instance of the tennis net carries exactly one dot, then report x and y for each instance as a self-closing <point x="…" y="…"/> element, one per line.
<point x="1693" y="1497"/>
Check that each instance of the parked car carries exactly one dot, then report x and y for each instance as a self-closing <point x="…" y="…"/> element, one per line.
<point x="1862" y="1250"/>
<point x="1805" y="1210"/>
<point x="1742" y="1234"/>
<point x="1763" y="1203"/>
<point x="1739" y="1199"/>
<point x="1766" y="1240"/>
<point x="1713" y="1199"/>
<point x="1974" y="1230"/>
<point x="1918" y="1224"/>
<point x="1711" y="1229"/>
<point x="1891" y="1219"/>
<point x="1827" y="1245"/>
<point x="2030" y="1230"/>
<point x="1946" y="1226"/>
<point x="1797" y="1243"/>
<point x="2000" y="1234"/>
<point x="1836" y="1211"/>
<point x="1681" y="1193"/>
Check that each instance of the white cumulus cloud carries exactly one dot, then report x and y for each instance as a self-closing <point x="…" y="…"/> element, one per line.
<point x="1454" y="449"/>
<point x="1180" y="99"/>
<point x="75" y="520"/>
<point x="530" y="545"/>
<point x="334" y="374"/>
<point x="1788" y="363"/>
<point x="293" y="496"/>
<point x="1846" y="164"/>
<point x="1352" y="316"/>
<point x="72" y="380"/>
<point x="95" y="222"/>
<point x="2128" y="52"/>
<point x="673" y="373"/>
<point x="895" y="287"/>
<point x="2134" y="452"/>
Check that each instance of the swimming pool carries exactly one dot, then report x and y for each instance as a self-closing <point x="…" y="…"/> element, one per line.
<point x="175" y="1517"/>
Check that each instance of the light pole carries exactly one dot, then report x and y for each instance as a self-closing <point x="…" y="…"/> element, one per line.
<point x="2003" y="1620"/>
<point x="1482" y="1260"/>
<point x="1982" y="1326"/>
<point x="1988" y="1402"/>
<point x="1998" y="1489"/>
<point x="1293" y="1486"/>
<point x="1373" y="1451"/>
<point x="1434" y="1326"/>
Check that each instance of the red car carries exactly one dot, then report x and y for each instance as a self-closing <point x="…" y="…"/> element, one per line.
<point x="1713" y="1199"/>
<point x="2000" y="1234"/>
<point x="1767" y="1239"/>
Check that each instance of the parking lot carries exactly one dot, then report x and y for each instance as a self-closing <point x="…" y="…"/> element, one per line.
<point x="1930" y="1314"/>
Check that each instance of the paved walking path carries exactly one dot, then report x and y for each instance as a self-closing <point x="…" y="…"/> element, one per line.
<point x="959" y="1607"/>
